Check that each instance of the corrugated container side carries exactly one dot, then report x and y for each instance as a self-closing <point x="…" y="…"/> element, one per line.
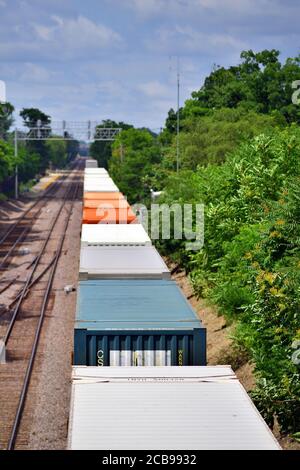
<point x="140" y="348"/>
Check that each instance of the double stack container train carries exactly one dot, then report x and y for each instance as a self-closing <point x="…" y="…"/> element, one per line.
<point x="135" y="340"/>
<point x="129" y="311"/>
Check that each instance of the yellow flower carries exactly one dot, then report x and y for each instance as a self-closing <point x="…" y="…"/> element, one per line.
<point x="280" y="222"/>
<point x="274" y="234"/>
<point x="276" y="292"/>
<point x="248" y="255"/>
<point x="278" y="330"/>
<point x="270" y="277"/>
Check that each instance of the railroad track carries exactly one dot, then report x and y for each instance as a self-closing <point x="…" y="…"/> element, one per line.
<point x="26" y="314"/>
<point x="17" y="232"/>
<point x="20" y="230"/>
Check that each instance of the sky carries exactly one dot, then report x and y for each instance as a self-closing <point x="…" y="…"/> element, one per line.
<point x="116" y="59"/>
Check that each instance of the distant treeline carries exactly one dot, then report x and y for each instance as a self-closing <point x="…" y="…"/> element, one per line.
<point x="34" y="157"/>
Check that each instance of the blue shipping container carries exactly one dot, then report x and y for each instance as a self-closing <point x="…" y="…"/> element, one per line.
<point x="136" y="322"/>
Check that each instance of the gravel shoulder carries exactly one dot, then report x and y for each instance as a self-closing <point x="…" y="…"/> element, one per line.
<point x="50" y="420"/>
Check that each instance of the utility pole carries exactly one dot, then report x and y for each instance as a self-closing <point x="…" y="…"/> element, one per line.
<point x="16" y="167"/>
<point x="178" y="118"/>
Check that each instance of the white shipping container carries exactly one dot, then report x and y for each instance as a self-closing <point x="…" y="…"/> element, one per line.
<point x="95" y="171"/>
<point x="164" y="408"/>
<point x="99" y="180"/>
<point x="91" y="163"/>
<point x="114" y="234"/>
<point x="122" y="262"/>
<point x="97" y="186"/>
<point x="96" y="175"/>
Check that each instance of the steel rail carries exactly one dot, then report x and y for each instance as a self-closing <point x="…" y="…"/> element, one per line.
<point x="35" y="265"/>
<point x="40" y="199"/>
<point x="23" y="395"/>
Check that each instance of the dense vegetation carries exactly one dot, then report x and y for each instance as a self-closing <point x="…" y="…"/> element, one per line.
<point x="239" y="155"/>
<point x="34" y="157"/>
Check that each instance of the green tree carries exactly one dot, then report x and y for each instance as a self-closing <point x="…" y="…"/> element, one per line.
<point x="6" y="160"/>
<point x="32" y="117"/>
<point x="101" y="150"/>
<point x="135" y="152"/>
<point x="57" y="152"/>
<point x="6" y="119"/>
<point x="260" y="83"/>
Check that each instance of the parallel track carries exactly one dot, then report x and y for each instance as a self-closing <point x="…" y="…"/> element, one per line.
<point x="30" y="349"/>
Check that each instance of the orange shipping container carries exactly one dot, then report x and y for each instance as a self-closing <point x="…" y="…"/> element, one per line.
<point x="105" y="203"/>
<point x="102" y="195"/>
<point x="108" y="216"/>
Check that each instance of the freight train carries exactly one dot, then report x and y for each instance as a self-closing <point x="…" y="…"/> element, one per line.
<point x="129" y="311"/>
<point x="140" y="379"/>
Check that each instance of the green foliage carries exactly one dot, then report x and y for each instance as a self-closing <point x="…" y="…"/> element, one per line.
<point x="6" y="119"/>
<point x="57" y="152"/>
<point x="102" y="151"/>
<point x="250" y="261"/>
<point x="134" y="153"/>
<point x="34" y="157"/>
<point x="210" y="138"/>
<point x="6" y="160"/>
<point x="31" y="116"/>
<point x="259" y="83"/>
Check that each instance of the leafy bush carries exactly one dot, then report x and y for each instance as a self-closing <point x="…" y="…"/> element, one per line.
<point x="250" y="261"/>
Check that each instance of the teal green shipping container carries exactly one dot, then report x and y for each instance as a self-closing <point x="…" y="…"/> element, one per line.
<point x="136" y="323"/>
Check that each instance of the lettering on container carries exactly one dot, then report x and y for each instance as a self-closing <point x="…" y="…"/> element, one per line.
<point x="100" y="358"/>
<point x="180" y="357"/>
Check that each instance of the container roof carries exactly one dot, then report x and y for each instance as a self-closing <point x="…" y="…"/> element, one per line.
<point x="102" y="202"/>
<point x="133" y="304"/>
<point x="95" y="186"/>
<point x="95" y="170"/>
<point x="191" y="408"/>
<point x="114" y="234"/>
<point x="111" y="215"/>
<point x="105" y="262"/>
<point x="102" y="195"/>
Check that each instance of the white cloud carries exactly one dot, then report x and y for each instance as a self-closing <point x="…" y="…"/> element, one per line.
<point x="186" y="40"/>
<point x="154" y="89"/>
<point x="34" y="73"/>
<point x="172" y="8"/>
<point x="80" y="32"/>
